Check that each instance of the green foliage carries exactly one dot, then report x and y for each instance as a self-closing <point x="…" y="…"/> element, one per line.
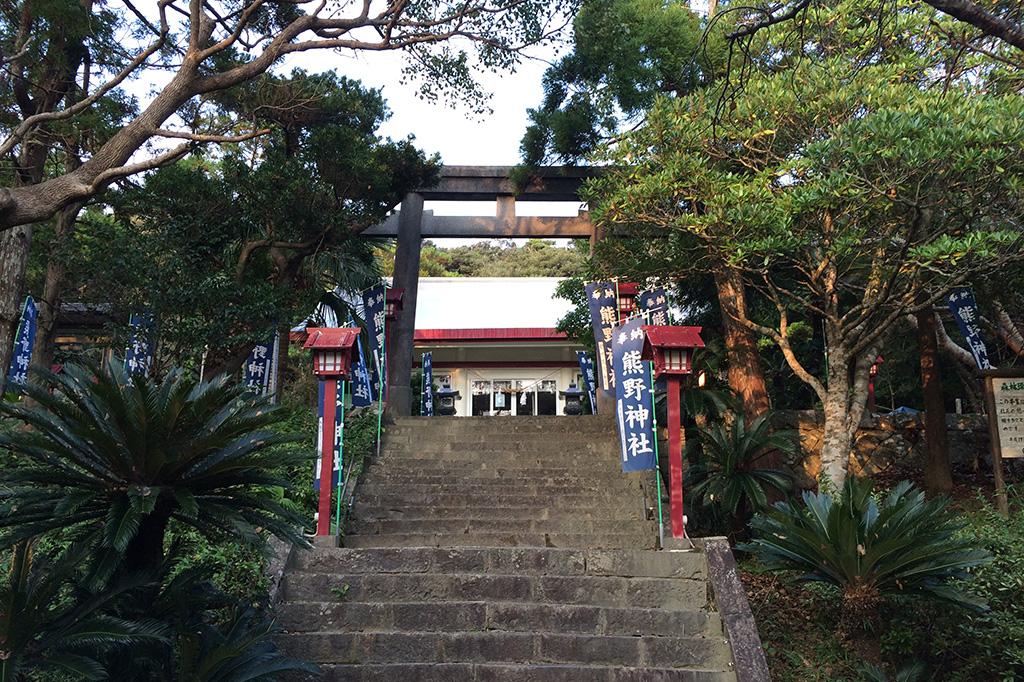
<point x="973" y="645"/>
<point x="47" y="627"/>
<point x="223" y="248"/>
<point x="499" y="258"/>
<point x="900" y="545"/>
<point x="118" y="457"/>
<point x="240" y="650"/>
<point x="624" y="53"/>
<point x="728" y="473"/>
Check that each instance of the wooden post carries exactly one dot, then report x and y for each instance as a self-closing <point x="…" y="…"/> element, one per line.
<point x="675" y="457"/>
<point x="407" y="274"/>
<point x="330" y="398"/>
<point x="1002" y="503"/>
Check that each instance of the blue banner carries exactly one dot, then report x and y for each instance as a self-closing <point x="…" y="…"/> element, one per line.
<point x="362" y="392"/>
<point x="258" y="367"/>
<point x="653" y="306"/>
<point x="21" y="355"/>
<point x="965" y="312"/>
<point x="633" y="398"/>
<point x="587" y="370"/>
<point x="603" y="316"/>
<point x="138" y="357"/>
<point x="339" y="413"/>
<point x="427" y="409"/>
<point x="373" y="313"/>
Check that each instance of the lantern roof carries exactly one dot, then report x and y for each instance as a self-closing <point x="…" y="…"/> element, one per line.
<point x="629" y="289"/>
<point x="673" y="337"/>
<point x="330" y="338"/>
<point x="394" y="294"/>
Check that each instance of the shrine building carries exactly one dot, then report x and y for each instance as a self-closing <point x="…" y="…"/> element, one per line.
<point x="493" y="339"/>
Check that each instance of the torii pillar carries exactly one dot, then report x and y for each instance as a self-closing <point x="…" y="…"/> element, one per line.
<point x="403" y="330"/>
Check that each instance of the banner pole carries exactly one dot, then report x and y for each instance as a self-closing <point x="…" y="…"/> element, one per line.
<point x="657" y="464"/>
<point x="341" y="458"/>
<point x="381" y="369"/>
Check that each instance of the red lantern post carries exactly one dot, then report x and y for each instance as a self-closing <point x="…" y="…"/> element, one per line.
<point x="332" y="360"/>
<point x="671" y="349"/>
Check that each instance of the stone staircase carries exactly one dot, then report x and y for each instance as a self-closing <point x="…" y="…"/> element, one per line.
<point x="502" y="548"/>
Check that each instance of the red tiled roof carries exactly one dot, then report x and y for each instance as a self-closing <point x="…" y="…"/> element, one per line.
<point x="330" y="337"/>
<point x="493" y="334"/>
<point x="675" y="337"/>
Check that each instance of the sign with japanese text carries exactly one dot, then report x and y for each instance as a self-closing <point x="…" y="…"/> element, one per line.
<point x="653" y="306"/>
<point x="373" y="312"/>
<point x="1007" y="395"/>
<point x="258" y="367"/>
<point x="633" y="398"/>
<point x="587" y="370"/>
<point x="21" y="356"/>
<point x="138" y="357"/>
<point x="339" y="412"/>
<point x="965" y="312"/>
<point x="427" y="407"/>
<point x="603" y="316"/>
<point x="362" y="390"/>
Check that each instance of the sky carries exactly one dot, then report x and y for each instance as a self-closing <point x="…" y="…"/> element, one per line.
<point x="452" y="131"/>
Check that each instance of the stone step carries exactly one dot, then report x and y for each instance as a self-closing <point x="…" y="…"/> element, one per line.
<point x="456" y="526"/>
<point x="687" y="565"/>
<point x="493" y="616"/>
<point x="365" y="512"/>
<point x="543" y="423"/>
<point x="507" y="647"/>
<point x="483" y="539"/>
<point x="531" y="456"/>
<point x="564" y="500"/>
<point x="485" y="469"/>
<point x="504" y="486"/>
<point x="669" y="594"/>
<point x="484" y="672"/>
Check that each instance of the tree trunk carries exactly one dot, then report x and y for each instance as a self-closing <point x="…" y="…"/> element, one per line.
<point x="14" y="247"/>
<point x="938" y="476"/>
<point x="53" y="286"/>
<point x="837" y="437"/>
<point x="746" y="376"/>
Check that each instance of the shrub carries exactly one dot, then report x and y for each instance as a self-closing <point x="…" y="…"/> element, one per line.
<point x="901" y="545"/>
<point x="119" y="457"/>
<point x="729" y="474"/>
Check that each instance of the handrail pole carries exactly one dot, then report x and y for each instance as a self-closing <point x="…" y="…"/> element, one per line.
<point x="657" y="463"/>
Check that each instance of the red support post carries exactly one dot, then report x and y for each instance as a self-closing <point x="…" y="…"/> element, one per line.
<point x="323" y="521"/>
<point x="675" y="457"/>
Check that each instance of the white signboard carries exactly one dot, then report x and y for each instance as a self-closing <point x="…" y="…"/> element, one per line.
<point x="1008" y="414"/>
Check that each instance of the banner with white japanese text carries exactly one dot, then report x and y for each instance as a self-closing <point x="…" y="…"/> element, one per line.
<point x="633" y="398"/>
<point x="587" y="370"/>
<point x="427" y="407"/>
<point x="258" y="367"/>
<point x="339" y="412"/>
<point x="373" y="313"/>
<point x="603" y="316"/>
<point x="21" y="355"/>
<point x="138" y="357"/>
<point x="362" y="392"/>
<point x="653" y="306"/>
<point x="965" y="312"/>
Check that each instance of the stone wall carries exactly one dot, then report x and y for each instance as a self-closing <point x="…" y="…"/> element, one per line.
<point x="884" y="442"/>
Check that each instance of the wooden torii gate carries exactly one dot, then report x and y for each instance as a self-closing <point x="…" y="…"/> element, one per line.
<point x="411" y="224"/>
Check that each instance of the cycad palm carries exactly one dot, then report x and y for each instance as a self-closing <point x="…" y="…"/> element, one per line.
<point x="117" y="457"/>
<point x="729" y="474"/>
<point x="44" y="626"/>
